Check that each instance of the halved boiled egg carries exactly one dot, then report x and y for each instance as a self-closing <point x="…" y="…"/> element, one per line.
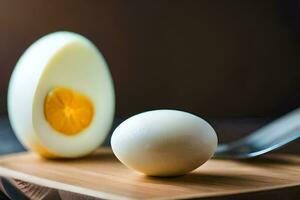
<point x="61" y="98"/>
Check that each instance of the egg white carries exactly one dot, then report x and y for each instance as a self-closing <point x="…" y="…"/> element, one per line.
<point x="61" y="59"/>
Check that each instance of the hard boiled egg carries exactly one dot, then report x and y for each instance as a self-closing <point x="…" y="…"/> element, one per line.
<point x="164" y="142"/>
<point x="61" y="97"/>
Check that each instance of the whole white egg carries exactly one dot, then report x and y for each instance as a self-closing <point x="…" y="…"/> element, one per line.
<point x="164" y="142"/>
<point x="61" y="98"/>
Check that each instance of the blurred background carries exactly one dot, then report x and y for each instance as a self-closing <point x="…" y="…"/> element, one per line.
<point x="235" y="63"/>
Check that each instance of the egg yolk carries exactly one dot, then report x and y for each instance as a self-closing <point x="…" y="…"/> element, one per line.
<point x="67" y="111"/>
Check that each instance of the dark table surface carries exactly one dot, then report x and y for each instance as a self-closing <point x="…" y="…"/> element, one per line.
<point x="227" y="130"/>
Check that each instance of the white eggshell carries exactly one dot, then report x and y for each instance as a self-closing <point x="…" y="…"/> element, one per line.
<point x="61" y="59"/>
<point x="164" y="142"/>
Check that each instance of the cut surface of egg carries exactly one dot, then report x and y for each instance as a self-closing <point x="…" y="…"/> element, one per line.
<point x="164" y="142"/>
<point x="61" y="98"/>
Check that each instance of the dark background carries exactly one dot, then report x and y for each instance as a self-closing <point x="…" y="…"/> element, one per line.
<point x="234" y="63"/>
<point x="213" y="58"/>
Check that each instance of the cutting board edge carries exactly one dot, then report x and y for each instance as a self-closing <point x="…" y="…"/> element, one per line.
<point x="8" y="173"/>
<point x="196" y="196"/>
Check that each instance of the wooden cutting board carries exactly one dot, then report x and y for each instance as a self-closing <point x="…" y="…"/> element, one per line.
<point x="101" y="175"/>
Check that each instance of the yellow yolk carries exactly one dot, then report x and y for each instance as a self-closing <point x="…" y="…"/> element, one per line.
<point x="68" y="112"/>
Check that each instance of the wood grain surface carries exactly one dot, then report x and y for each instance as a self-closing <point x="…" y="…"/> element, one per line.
<point x="101" y="175"/>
